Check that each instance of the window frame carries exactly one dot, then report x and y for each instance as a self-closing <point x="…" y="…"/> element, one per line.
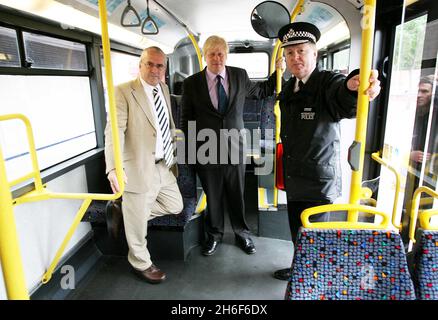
<point x="20" y="21"/>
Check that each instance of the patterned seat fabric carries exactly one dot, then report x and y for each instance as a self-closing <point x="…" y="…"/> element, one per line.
<point x="267" y="116"/>
<point x="426" y="266"/>
<point x="187" y="186"/>
<point x="349" y="265"/>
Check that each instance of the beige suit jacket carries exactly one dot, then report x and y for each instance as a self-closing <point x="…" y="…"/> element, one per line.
<point x="137" y="132"/>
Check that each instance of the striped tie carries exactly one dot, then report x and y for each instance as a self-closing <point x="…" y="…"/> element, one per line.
<point x="163" y="124"/>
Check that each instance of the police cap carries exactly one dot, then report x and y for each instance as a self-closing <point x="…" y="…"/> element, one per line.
<point x="298" y="32"/>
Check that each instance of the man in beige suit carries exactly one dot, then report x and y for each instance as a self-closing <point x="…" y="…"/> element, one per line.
<point x="147" y="135"/>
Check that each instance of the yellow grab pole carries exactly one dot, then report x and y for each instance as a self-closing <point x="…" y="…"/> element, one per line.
<point x="110" y="88"/>
<point x="48" y="275"/>
<point x="10" y="257"/>
<point x="367" y="25"/>
<point x="198" y="51"/>
<point x="278" y="53"/>
<point x="414" y="208"/>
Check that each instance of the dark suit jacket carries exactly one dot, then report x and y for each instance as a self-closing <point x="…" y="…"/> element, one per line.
<point x="197" y="106"/>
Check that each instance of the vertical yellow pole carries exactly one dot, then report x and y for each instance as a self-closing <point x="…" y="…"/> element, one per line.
<point x="12" y="266"/>
<point x="367" y="25"/>
<point x="278" y="53"/>
<point x="198" y="51"/>
<point x="110" y="88"/>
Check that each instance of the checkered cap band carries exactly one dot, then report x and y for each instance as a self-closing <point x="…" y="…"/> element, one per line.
<point x="298" y="34"/>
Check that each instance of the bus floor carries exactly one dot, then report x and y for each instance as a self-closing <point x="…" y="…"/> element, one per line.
<point x="229" y="274"/>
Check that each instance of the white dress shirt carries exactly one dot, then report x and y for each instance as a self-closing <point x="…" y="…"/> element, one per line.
<point x="159" y="148"/>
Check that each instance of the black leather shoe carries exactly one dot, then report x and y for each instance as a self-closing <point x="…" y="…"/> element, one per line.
<point x="210" y="247"/>
<point x="246" y="244"/>
<point x="114" y="218"/>
<point x="283" y="274"/>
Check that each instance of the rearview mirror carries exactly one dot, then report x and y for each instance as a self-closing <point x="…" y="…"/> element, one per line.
<point x="268" y="17"/>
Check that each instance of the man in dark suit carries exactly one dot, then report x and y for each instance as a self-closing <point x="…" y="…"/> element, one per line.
<point x="212" y="105"/>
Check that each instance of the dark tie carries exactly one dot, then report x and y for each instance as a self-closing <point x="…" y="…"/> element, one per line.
<point x="163" y="125"/>
<point x="222" y="100"/>
<point x="300" y="85"/>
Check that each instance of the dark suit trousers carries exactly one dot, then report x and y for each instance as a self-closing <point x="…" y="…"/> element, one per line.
<point x="224" y="184"/>
<point x="294" y="210"/>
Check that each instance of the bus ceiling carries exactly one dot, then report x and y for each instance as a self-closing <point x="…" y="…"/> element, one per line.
<point x="173" y="19"/>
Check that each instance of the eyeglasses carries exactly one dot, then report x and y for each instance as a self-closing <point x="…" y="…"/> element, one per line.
<point x="150" y="65"/>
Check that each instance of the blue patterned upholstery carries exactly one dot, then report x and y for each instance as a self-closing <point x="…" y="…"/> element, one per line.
<point x="267" y="117"/>
<point x="349" y="265"/>
<point x="187" y="186"/>
<point x="426" y="266"/>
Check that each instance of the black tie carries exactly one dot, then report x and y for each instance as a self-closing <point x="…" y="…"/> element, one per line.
<point x="300" y="85"/>
<point x="222" y="100"/>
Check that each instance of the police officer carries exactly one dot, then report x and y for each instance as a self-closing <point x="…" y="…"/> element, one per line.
<point x="312" y="103"/>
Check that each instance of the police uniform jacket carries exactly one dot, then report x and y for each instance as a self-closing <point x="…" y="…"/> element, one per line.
<point x="310" y="134"/>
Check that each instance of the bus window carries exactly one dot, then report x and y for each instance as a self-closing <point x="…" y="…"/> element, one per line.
<point x="57" y="103"/>
<point x="255" y="63"/>
<point x="9" y="56"/>
<point x="341" y="60"/>
<point x="124" y="68"/>
<point x="403" y="112"/>
<point x="51" y="53"/>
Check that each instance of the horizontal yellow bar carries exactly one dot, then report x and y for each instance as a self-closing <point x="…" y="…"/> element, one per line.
<point x="46" y="195"/>
<point x="343" y="224"/>
<point x="21" y="179"/>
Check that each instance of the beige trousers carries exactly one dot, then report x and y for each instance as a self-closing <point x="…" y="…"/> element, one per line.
<point x="138" y="208"/>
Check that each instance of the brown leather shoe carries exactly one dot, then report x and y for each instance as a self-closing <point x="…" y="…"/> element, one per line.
<point x="151" y="274"/>
<point x="114" y="218"/>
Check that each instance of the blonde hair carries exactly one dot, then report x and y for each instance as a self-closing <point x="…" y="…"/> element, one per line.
<point x="214" y="42"/>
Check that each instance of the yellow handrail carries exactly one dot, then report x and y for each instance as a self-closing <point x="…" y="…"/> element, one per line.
<point x="377" y="158"/>
<point x="276" y="54"/>
<point x="414" y="211"/>
<point x="10" y="254"/>
<point x="368" y="22"/>
<point x="344" y="224"/>
<point x="10" y="257"/>
<point x="198" y="51"/>
<point x="425" y="219"/>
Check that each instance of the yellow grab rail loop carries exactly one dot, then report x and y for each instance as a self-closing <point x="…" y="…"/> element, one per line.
<point x="424" y="220"/>
<point x="344" y="224"/>
<point x="377" y="158"/>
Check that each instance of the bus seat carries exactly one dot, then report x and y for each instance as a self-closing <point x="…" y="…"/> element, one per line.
<point x="267" y="117"/>
<point x="332" y="264"/>
<point x="175" y="101"/>
<point x="187" y="186"/>
<point x="251" y="111"/>
<point x="425" y="268"/>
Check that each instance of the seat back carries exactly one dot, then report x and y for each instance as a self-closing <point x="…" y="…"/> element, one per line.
<point x="331" y="264"/>
<point x="425" y="273"/>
